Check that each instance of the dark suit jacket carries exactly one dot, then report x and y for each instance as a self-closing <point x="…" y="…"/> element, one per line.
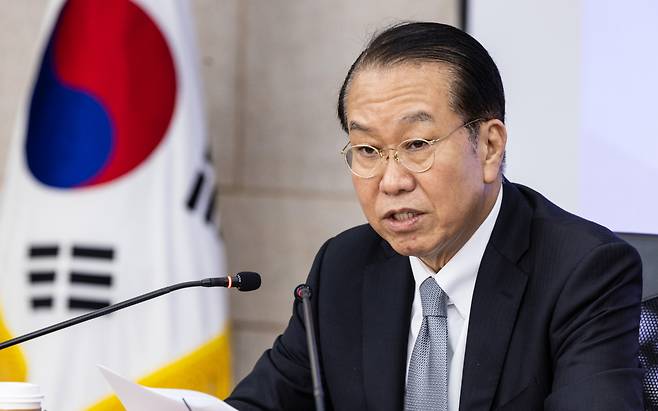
<point x="553" y="324"/>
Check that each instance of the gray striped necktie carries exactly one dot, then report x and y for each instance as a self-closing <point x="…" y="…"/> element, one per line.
<point x="427" y="382"/>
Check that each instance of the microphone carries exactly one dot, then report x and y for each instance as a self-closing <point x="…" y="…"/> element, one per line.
<point x="303" y="293"/>
<point x="243" y="281"/>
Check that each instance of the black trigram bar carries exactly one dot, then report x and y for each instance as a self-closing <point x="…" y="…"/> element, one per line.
<point x="78" y="277"/>
<point x="42" y="277"/>
<point x="100" y="253"/>
<point x="210" y="210"/>
<point x="196" y="191"/>
<point x="42" y="302"/>
<point x="37" y="251"/>
<point x="87" y="304"/>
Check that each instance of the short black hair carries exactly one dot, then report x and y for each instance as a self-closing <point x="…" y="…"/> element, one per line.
<point x="476" y="90"/>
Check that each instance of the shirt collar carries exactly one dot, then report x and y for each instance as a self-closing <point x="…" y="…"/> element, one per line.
<point x="457" y="277"/>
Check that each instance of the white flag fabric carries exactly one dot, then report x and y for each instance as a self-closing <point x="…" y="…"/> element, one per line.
<point x="109" y="193"/>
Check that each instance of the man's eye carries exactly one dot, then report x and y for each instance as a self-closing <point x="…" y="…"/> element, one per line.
<point x="415" y="145"/>
<point x="366" y="151"/>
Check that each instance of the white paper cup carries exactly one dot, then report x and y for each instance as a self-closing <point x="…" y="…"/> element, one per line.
<point x="20" y="396"/>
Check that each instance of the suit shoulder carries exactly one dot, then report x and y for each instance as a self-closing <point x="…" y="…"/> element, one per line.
<point x="359" y="233"/>
<point x="352" y="250"/>
<point x="551" y="221"/>
<point x="357" y="240"/>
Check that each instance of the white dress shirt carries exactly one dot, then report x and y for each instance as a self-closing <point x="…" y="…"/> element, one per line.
<point x="457" y="280"/>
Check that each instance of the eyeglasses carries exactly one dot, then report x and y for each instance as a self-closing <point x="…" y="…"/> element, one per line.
<point x="416" y="154"/>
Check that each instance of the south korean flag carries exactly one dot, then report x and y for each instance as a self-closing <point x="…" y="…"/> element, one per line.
<point x="109" y="193"/>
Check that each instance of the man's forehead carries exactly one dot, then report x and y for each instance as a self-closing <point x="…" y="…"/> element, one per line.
<point x="405" y="94"/>
<point x="376" y="84"/>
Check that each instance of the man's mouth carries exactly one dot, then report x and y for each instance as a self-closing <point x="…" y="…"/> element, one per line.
<point x="403" y="216"/>
<point x="402" y="219"/>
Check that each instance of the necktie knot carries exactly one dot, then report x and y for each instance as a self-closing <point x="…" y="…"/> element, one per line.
<point x="433" y="299"/>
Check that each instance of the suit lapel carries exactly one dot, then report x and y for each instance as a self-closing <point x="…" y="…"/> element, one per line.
<point x="387" y="297"/>
<point x="499" y="289"/>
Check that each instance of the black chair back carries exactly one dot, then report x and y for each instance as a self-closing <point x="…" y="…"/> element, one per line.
<point x="647" y="246"/>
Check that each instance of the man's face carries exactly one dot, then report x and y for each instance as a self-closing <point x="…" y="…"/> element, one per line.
<point x="433" y="213"/>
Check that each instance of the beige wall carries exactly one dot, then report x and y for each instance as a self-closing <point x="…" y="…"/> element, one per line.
<point x="272" y="70"/>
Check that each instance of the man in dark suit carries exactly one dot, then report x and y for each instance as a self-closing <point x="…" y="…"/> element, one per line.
<point x="538" y="308"/>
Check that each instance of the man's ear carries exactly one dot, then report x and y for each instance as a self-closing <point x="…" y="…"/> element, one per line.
<point x="493" y="139"/>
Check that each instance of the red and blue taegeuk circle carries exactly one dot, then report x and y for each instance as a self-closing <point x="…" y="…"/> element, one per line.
<point x="104" y="97"/>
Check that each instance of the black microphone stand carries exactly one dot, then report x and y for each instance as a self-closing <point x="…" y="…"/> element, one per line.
<point x="303" y="293"/>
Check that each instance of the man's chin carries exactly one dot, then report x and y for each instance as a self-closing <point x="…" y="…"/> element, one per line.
<point x="408" y="249"/>
<point x="406" y="244"/>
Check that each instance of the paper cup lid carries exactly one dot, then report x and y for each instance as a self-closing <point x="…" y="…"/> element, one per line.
<point x="20" y="391"/>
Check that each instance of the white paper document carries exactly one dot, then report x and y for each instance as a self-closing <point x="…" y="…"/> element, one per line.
<point x="135" y="397"/>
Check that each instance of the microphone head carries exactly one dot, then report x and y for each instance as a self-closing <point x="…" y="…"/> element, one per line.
<point x="301" y="291"/>
<point x="247" y="281"/>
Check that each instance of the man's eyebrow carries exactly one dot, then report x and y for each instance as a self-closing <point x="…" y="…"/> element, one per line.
<point x="354" y="126"/>
<point x="417" y="116"/>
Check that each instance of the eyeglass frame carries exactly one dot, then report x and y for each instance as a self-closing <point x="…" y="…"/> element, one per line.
<point x="396" y="157"/>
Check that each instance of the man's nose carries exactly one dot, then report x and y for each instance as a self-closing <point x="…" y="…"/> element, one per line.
<point x="395" y="178"/>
